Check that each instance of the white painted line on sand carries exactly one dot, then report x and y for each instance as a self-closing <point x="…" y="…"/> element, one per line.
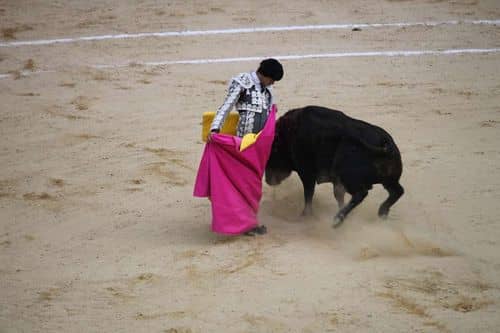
<point x="24" y="74"/>
<point x="244" y="30"/>
<point x="309" y="56"/>
<point x="407" y="53"/>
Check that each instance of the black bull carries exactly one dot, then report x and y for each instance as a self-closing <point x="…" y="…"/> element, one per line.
<point x="324" y="145"/>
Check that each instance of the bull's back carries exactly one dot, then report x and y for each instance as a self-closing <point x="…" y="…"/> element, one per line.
<point x="315" y="130"/>
<point x="317" y="121"/>
<point x="329" y="120"/>
<point x="312" y="122"/>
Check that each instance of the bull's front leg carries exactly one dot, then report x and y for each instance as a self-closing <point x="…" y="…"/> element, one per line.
<point x="309" y="183"/>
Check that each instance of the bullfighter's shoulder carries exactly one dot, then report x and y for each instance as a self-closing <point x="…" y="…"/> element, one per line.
<point x="244" y="79"/>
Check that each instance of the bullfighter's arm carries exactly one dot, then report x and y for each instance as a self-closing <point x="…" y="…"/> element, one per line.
<point x="232" y="97"/>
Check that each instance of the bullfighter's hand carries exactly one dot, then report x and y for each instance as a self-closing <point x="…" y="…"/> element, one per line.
<point x="212" y="132"/>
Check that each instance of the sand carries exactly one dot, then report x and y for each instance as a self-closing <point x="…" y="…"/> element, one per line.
<point x="99" y="231"/>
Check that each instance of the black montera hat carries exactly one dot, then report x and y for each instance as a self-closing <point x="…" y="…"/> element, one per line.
<point x="271" y="68"/>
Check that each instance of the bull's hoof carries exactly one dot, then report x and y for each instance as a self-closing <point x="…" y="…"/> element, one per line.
<point x="382" y="213"/>
<point x="307" y="212"/>
<point x="337" y="221"/>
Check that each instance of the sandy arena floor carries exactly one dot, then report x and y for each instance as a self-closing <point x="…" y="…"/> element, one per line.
<point x="99" y="231"/>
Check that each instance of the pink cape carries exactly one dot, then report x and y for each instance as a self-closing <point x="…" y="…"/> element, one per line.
<point x="232" y="179"/>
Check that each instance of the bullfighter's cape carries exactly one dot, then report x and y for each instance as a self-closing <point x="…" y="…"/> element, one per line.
<point x="230" y="175"/>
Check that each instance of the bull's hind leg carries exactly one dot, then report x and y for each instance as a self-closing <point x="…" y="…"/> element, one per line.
<point x="395" y="192"/>
<point x="355" y="200"/>
<point x="339" y="193"/>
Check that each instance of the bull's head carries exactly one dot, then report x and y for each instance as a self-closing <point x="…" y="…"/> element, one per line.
<point x="279" y="165"/>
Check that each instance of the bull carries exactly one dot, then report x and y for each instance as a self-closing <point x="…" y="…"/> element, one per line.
<point x="324" y="145"/>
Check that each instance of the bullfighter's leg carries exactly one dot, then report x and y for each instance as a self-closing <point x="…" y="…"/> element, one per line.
<point x="356" y="199"/>
<point x="395" y="192"/>
<point x="309" y="183"/>
<point x="339" y="192"/>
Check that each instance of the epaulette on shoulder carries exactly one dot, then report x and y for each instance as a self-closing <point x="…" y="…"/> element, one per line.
<point x="245" y="79"/>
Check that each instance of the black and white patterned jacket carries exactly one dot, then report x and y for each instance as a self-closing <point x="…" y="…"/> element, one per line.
<point x="253" y="103"/>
